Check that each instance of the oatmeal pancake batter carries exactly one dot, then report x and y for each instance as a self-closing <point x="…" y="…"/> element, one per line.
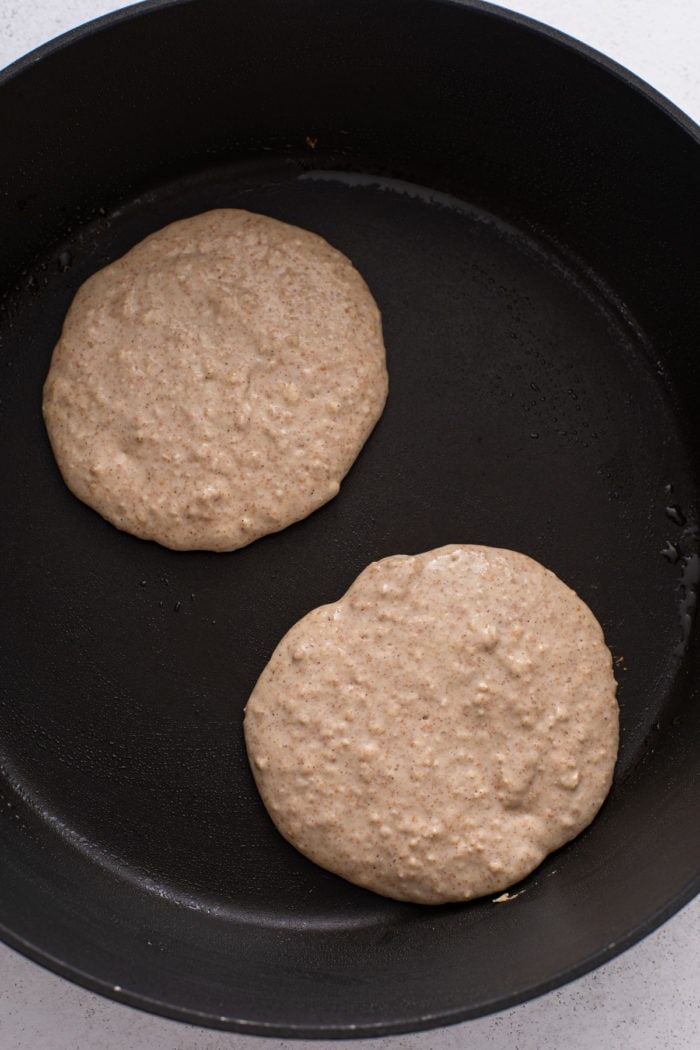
<point x="438" y="731"/>
<point x="217" y="382"/>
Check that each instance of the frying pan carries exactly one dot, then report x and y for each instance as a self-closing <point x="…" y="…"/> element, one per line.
<point x="526" y="214"/>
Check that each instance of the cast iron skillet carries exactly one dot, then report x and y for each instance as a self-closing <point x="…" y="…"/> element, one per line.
<point x="526" y="214"/>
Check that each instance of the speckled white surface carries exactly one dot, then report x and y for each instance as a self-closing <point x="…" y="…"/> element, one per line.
<point x="648" y="998"/>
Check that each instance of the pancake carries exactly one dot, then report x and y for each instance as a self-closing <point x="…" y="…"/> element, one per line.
<point x="434" y="734"/>
<point x="217" y="382"/>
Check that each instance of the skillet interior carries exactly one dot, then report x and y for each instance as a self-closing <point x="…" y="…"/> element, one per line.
<point x="521" y="214"/>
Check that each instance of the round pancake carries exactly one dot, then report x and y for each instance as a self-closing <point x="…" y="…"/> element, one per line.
<point x="438" y="731"/>
<point x="217" y="382"/>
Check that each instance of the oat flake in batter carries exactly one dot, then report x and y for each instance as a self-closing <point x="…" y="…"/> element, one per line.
<point x="217" y="382"/>
<point x="438" y="731"/>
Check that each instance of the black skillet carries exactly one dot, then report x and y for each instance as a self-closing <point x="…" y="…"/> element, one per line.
<point x="526" y="214"/>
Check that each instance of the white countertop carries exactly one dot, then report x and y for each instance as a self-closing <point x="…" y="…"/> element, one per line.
<point x="646" y="999"/>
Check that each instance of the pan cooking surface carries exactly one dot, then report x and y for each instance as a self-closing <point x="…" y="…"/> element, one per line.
<point x="525" y="411"/>
<point x="537" y="402"/>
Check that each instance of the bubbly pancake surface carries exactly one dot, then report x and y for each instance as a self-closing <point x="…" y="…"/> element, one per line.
<point x="217" y="382"/>
<point x="438" y="731"/>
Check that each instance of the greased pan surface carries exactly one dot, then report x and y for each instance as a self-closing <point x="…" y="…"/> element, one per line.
<point x="526" y="215"/>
